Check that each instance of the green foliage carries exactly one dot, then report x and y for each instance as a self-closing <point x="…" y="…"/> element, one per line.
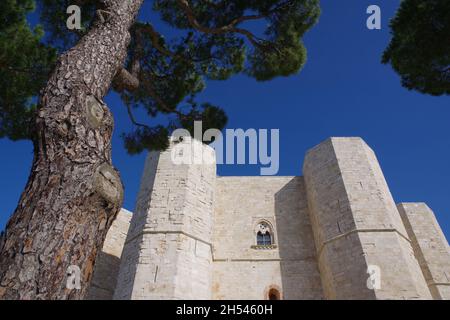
<point x="24" y="66"/>
<point x="212" y="117"/>
<point x="210" y="40"/>
<point x="420" y="47"/>
<point x="210" y="45"/>
<point x="279" y="53"/>
<point x="146" y="138"/>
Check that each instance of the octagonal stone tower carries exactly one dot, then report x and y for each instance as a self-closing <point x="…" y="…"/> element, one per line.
<point x="430" y="247"/>
<point x="167" y="254"/>
<point x="357" y="227"/>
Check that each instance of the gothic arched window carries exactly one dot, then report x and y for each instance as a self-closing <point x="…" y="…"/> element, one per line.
<point x="263" y="239"/>
<point x="264" y="234"/>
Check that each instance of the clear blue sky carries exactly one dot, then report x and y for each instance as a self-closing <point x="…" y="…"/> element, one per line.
<point x="343" y="90"/>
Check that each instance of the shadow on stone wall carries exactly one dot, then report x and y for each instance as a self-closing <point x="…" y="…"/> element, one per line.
<point x="133" y="247"/>
<point x="104" y="279"/>
<point x="299" y="273"/>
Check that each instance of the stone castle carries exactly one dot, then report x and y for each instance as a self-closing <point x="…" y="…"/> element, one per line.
<point x="334" y="233"/>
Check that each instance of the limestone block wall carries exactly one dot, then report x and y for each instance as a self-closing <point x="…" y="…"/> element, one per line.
<point x="167" y="254"/>
<point x="107" y="263"/>
<point x="356" y="225"/>
<point x="430" y="246"/>
<point x="241" y="271"/>
<point x="193" y="234"/>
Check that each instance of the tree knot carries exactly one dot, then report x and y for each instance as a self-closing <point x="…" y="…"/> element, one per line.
<point x="108" y="184"/>
<point x="95" y="112"/>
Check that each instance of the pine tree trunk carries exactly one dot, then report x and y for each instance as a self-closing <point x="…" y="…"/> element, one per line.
<point x="73" y="193"/>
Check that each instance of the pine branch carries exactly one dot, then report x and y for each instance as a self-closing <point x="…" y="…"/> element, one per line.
<point x="124" y="80"/>
<point x="133" y="119"/>
<point x="184" y="4"/>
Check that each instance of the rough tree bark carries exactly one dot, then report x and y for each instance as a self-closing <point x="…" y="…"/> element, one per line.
<point x="73" y="193"/>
